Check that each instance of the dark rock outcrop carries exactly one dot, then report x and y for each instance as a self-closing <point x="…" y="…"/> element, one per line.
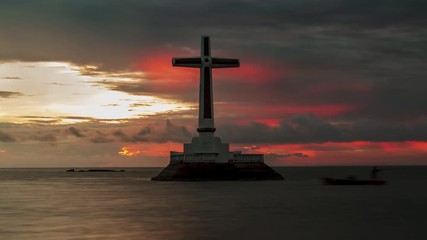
<point x="184" y="171"/>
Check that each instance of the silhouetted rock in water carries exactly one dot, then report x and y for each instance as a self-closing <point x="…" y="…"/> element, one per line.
<point x="95" y="170"/>
<point x="184" y="171"/>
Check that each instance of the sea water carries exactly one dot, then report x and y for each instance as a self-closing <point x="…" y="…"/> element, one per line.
<point x="51" y="204"/>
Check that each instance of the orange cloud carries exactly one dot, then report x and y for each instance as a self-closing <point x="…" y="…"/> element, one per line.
<point x="150" y="149"/>
<point x="129" y="151"/>
<point x="279" y="149"/>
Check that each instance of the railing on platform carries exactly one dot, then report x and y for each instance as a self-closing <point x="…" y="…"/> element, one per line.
<point x="195" y="157"/>
<point x="213" y="157"/>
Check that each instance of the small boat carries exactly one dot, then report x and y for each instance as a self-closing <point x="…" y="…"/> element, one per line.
<point x="352" y="181"/>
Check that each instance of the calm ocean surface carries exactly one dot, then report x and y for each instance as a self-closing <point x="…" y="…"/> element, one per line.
<point x="50" y="204"/>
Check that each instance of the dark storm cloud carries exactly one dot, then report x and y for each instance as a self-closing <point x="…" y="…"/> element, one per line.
<point x="300" y="129"/>
<point x="43" y="137"/>
<point x="44" y="132"/>
<point x="309" y="129"/>
<point x="274" y="156"/>
<point x="5" y="137"/>
<point x="402" y="99"/>
<point x="7" y="94"/>
<point x="373" y="50"/>
<point x="75" y="132"/>
<point x="164" y="133"/>
<point x="121" y="136"/>
<point x="117" y="30"/>
<point x="101" y="138"/>
<point x="298" y="154"/>
<point x="11" y="78"/>
<point x="175" y="133"/>
<point x="305" y="128"/>
<point x="141" y="135"/>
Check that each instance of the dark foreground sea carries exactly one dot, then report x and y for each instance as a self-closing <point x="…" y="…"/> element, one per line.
<point x="51" y="204"/>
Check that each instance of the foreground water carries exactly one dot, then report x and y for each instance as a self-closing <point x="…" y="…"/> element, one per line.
<point x="50" y="204"/>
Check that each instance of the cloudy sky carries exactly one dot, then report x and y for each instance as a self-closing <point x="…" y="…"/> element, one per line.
<point x="321" y="82"/>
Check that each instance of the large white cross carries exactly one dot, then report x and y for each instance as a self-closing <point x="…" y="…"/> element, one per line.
<point x="205" y="62"/>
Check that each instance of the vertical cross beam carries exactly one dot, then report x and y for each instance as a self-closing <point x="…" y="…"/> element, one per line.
<point x="206" y="122"/>
<point x="205" y="62"/>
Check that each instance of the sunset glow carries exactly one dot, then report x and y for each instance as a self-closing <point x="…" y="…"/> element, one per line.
<point x="92" y="83"/>
<point x="166" y="119"/>
<point x="343" y="153"/>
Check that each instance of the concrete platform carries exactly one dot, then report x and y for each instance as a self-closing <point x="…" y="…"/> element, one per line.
<point x="185" y="171"/>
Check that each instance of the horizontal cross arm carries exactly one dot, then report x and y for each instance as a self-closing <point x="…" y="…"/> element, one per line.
<point x="225" y="63"/>
<point x="195" y="62"/>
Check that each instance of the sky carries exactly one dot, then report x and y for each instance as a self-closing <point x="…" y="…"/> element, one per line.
<point x="322" y="82"/>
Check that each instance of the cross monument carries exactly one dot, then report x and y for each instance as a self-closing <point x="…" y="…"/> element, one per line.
<point x="207" y="144"/>
<point x="206" y="157"/>
<point x="205" y="62"/>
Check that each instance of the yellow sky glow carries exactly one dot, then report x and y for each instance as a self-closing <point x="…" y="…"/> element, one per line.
<point x="59" y="89"/>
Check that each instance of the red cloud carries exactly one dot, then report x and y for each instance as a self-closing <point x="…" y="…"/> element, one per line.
<point x="158" y="66"/>
<point x="253" y="72"/>
<point x="347" y="153"/>
<point x="420" y="146"/>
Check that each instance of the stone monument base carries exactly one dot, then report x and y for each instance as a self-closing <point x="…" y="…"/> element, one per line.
<point x="199" y="171"/>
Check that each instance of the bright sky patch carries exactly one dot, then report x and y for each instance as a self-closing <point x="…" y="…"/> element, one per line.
<point x="52" y="90"/>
